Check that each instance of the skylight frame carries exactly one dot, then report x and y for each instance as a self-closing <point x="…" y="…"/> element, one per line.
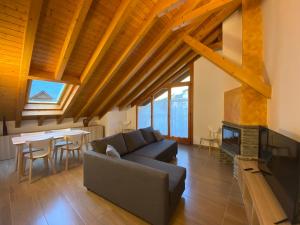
<point x="58" y="102"/>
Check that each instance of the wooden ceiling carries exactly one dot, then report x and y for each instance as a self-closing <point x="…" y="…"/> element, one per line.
<point x="117" y="51"/>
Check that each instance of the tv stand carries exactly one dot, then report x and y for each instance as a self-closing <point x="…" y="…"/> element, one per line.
<point x="261" y="205"/>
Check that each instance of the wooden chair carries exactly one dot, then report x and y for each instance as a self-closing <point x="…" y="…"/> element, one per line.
<point x="73" y="143"/>
<point x="26" y="149"/>
<point x="45" y="146"/>
<point x="58" y="143"/>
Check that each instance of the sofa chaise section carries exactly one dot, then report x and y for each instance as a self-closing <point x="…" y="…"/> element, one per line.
<point x="140" y="189"/>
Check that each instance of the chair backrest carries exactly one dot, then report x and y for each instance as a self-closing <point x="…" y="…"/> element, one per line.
<point x="33" y="133"/>
<point x="42" y="143"/>
<point x="214" y="133"/>
<point x="74" y="139"/>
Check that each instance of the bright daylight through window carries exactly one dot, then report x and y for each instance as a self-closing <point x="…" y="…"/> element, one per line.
<point x="45" y="92"/>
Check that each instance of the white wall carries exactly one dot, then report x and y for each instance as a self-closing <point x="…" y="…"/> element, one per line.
<point x="210" y="82"/>
<point x="282" y="63"/>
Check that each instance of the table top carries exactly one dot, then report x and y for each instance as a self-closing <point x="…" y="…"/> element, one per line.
<point x="55" y="134"/>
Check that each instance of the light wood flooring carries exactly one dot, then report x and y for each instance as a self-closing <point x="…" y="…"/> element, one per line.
<point x="212" y="196"/>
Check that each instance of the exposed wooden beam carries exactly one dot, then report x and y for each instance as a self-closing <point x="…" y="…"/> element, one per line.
<point x="169" y="5"/>
<point x="47" y="76"/>
<point x="204" y="10"/>
<point x="172" y="65"/>
<point x="205" y="30"/>
<point x="29" y="37"/>
<point x="217" y="45"/>
<point x="152" y="18"/>
<point x="170" y="76"/>
<point x="159" y="83"/>
<point x="71" y="37"/>
<point x="143" y="87"/>
<point x="243" y="75"/>
<point x="114" y="27"/>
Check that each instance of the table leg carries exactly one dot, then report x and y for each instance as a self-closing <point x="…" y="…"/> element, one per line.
<point x="20" y="162"/>
<point x="86" y="142"/>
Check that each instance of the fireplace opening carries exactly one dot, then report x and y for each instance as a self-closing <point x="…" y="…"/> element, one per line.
<point x="231" y="140"/>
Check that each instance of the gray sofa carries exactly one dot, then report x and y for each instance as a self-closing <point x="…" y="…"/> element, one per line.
<point x="141" y="181"/>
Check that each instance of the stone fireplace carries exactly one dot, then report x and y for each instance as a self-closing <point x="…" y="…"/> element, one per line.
<point x="240" y="139"/>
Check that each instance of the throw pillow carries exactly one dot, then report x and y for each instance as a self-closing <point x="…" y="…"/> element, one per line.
<point x="158" y="136"/>
<point x="112" y="152"/>
<point x="134" y="140"/>
<point x="148" y="135"/>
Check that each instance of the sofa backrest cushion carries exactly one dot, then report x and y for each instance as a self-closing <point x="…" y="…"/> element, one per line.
<point x="117" y="141"/>
<point x="158" y="136"/>
<point x="148" y="135"/>
<point x="134" y="140"/>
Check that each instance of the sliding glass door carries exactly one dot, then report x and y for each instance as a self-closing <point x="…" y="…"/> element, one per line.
<point x="144" y="115"/>
<point x="169" y="110"/>
<point x="160" y="112"/>
<point x="179" y="115"/>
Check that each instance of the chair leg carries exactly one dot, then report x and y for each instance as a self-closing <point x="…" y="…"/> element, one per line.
<point x="30" y="170"/>
<point x="61" y="154"/>
<point x="46" y="163"/>
<point x="24" y="165"/>
<point x="67" y="160"/>
<point x="16" y="160"/>
<point x="52" y="164"/>
<point x="73" y="153"/>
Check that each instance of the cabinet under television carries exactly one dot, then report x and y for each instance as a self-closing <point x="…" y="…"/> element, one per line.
<point x="261" y="205"/>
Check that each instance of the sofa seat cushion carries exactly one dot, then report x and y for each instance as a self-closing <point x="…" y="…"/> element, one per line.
<point x="117" y="141"/>
<point x="176" y="174"/>
<point x="134" y="140"/>
<point x="161" y="150"/>
<point x="148" y="135"/>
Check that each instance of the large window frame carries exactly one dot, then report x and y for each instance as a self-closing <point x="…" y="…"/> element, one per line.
<point x="168" y="87"/>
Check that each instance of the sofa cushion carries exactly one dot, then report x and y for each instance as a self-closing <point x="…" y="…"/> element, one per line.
<point x="134" y="140"/>
<point x="148" y="134"/>
<point x="117" y="141"/>
<point x="158" y="136"/>
<point x="176" y="174"/>
<point x="158" y="150"/>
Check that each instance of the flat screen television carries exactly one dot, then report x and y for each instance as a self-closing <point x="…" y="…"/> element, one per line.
<point x="279" y="163"/>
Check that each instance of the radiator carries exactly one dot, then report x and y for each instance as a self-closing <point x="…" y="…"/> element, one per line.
<point x="7" y="149"/>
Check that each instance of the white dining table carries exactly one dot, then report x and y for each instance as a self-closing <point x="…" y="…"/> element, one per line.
<point x="21" y="140"/>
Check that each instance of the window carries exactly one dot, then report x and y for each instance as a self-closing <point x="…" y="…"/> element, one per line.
<point x="144" y="115"/>
<point x="160" y="112"/>
<point x="171" y="109"/>
<point x="186" y="79"/>
<point x="180" y="112"/>
<point x="45" y="92"/>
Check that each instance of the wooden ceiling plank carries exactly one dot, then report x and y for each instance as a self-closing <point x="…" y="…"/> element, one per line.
<point x="111" y="32"/>
<point x="243" y="75"/>
<point x="193" y="16"/>
<point x="29" y="38"/>
<point x="169" y="76"/>
<point x="204" y="31"/>
<point x="48" y="76"/>
<point x="147" y="55"/>
<point x="152" y="18"/>
<point x="71" y="37"/>
<point x="173" y="64"/>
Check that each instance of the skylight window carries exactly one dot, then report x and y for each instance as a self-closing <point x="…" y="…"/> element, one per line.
<point x="45" y="92"/>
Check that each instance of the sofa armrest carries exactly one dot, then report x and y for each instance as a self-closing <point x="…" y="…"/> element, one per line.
<point x="140" y="189"/>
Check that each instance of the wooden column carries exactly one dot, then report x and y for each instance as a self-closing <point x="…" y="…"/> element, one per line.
<point x="244" y="105"/>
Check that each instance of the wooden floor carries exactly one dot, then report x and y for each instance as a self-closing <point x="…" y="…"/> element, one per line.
<point x="212" y="196"/>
